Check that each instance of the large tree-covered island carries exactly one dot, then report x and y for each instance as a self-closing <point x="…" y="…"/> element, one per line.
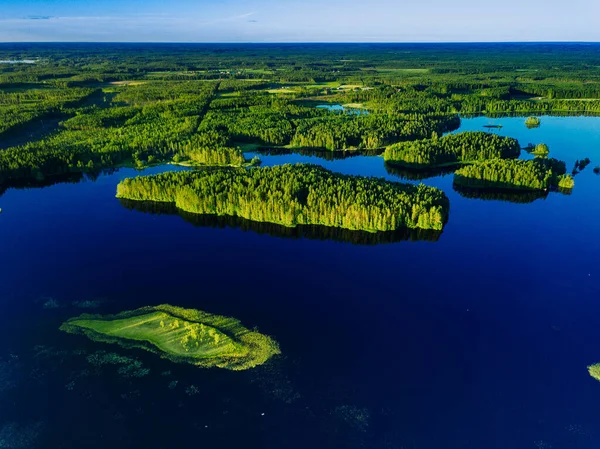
<point x="180" y="335"/>
<point x="514" y="174"/>
<point x="292" y="195"/>
<point x="453" y="149"/>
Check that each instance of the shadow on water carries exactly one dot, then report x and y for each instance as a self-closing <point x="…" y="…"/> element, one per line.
<point x="312" y="232"/>
<point x="65" y="178"/>
<point x="522" y="197"/>
<point x="327" y="155"/>
<point x="415" y="174"/>
<point x="525" y="114"/>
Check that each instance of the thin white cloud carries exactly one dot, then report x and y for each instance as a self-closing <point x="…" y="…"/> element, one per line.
<point x="144" y="27"/>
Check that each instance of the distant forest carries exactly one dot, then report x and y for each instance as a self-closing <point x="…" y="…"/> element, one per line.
<point x="84" y="107"/>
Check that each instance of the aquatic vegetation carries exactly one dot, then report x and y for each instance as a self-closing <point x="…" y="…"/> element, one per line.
<point x="355" y="416"/>
<point x="131" y="395"/>
<point x="272" y="380"/>
<point x="128" y="367"/>
<point x="180" y="335"/>
<point x="597" y="170"/>
<point x="452" y="149"/>
<point x="8" y="374"/>
<point x="594" y="371"/>
<point x="20" y="436"/>
<point x="532" y="122"/>
<point x="292" y="195"/>
<point x="88" y="304"/>
<point x="51" y="303"/>
<point x="192" y="390"/>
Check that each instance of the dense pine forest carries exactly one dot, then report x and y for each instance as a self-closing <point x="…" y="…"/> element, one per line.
<point x="516" y="174"/>
<point x="77" y="109"/>
<point x="84" y="107"/>
<point x="451" y="149"/>
<point x="295" y="195"/>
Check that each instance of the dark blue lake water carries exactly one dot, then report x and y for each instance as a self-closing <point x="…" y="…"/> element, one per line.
<point x="480" y="339"/>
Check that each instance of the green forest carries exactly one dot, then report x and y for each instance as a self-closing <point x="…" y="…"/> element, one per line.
<point x="82" y="108"/>
<point x="451" y="149"/>
<point x="292" y="195"/>
<point x="516" y="174"/>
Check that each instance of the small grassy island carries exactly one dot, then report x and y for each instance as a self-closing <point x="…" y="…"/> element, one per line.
<point x="292" y="195"/>
<point x="516" y="174"/>
<point x="181" y="335"/>
<point x="532" y="122"/>
<point x="594" y="371"/>
<point x="452" y="149"/>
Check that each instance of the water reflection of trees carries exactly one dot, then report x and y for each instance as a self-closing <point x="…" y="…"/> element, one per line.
<point x="414" y="174"/>
<point x="521" y="197"/>
<point x="63" y="178"/>
<point x="524" y="114"/>
<point x="322" y="154"/>
<point x="313" y="232"/>
<point x="66" y="178"/>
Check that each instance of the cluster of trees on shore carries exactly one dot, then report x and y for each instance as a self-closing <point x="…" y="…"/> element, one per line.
<point x="451" y="149"/>
<point x="140" y="105"/>
<point x="269" y="120"/>
<point x="295" y="195"/>
<point x="516" y="174"/>
<point x="30" y="107"/>
<point x="100" y="137"/>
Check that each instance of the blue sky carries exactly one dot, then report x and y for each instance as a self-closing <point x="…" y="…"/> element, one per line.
<point x="298" y="21"/>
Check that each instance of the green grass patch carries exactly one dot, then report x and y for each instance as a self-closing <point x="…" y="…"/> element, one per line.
<point x="181" y="335"/>
<point x="594" y="371"/>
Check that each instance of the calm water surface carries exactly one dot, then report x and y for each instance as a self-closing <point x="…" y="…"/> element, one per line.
<point x="477" y="340"/>
<point x="341" y="108"/>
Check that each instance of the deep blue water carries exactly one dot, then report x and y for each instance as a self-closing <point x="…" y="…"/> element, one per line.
<point x="477" y="340"/>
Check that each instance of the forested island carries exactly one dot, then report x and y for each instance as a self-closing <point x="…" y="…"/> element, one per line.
<point x="180" y="335"/>
<point x="452" y="149"/>
<point x="292" y="195"/>
<point x="514" y="174"/>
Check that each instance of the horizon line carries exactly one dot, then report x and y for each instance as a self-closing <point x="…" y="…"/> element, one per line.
<point x="300" y="42"/>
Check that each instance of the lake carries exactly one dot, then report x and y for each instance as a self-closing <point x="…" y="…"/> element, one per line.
<point x="478" y="338"/>
<point x="342" y="108"/>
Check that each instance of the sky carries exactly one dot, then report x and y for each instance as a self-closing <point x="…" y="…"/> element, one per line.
<point x="298" y="20"/>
